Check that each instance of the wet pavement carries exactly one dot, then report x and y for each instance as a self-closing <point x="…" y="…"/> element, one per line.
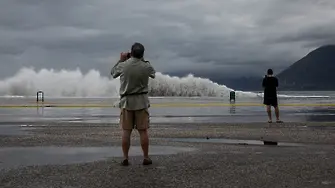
<point x="15" y="130"/>
<point x="232" y="113"/>
<point x="229" y="114"/>
<point x="16" y="122"/>
<point x="234" y="141"/>
<point x="14" y="157"/>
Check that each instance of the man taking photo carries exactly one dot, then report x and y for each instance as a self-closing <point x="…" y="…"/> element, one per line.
<point x="134" y="103"/>
<point x="270" y="84"/>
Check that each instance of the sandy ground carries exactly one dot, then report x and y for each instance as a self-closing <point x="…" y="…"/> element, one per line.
<point x="211" y="165"/>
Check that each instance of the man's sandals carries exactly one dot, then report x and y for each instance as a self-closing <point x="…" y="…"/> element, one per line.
<point x="278" y="121"/>
<point x="125" y="162"/>
<point x="147" y="161"/>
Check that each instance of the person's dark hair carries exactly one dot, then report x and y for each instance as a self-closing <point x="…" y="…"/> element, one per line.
<point x="137" y="50"/>
<point x="270" y="72"/>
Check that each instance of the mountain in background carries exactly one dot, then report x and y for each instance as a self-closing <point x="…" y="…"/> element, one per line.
<point x="315" y="71"/>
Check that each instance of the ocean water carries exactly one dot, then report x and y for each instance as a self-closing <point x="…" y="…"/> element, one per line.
<point x="186" y="99"/>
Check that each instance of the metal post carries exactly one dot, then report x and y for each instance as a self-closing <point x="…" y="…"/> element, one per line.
<point x="38" y="96"/>
<point x="232" y="96"/>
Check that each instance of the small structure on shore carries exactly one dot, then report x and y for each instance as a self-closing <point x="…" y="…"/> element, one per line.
<point x="40" y="96"/>
<point x="232" y="96"/>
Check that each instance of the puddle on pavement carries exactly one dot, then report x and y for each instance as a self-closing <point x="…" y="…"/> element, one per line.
<point x="230" y="141"/>
<point x="10" y="130"/>
<point x="13" y="157"/>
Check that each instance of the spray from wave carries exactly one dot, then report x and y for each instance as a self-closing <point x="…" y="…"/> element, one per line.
<point x="73" y="83"/>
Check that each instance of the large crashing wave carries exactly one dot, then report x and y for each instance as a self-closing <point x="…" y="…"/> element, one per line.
<point x="73" y="83"/>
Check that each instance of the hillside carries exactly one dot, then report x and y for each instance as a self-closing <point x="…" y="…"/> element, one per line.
<point x="315" y="71"/>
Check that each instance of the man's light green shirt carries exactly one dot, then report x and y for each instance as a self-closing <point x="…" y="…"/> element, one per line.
<point x="134" y="78"/>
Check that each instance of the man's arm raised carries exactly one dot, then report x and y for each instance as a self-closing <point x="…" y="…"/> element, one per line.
<point x="117" y="69"/>
<point x="152" y="72"/>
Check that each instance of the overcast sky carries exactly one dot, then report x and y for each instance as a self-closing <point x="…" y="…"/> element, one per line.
<point x="225" y="36"/>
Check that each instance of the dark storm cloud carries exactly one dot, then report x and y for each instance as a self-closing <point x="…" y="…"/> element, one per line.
<point x="190" y="35"/>
<point x="312" y="37"/>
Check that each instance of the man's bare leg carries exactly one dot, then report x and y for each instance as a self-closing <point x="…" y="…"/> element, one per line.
<point x="126" y="142"/>
<point x="144" y="142"/>
<point x="277" y="112"/>
<point x="268" y="110"/>
<point x="145" y="146"/>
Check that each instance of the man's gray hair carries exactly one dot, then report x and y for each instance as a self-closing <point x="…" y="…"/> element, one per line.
<point x="137" y="50"/>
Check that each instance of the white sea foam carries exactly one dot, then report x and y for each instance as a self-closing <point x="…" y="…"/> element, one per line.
<point x="73" y="83"/>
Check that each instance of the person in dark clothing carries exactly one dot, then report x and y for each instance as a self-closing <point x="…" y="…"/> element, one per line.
<point x="270" y="84"/>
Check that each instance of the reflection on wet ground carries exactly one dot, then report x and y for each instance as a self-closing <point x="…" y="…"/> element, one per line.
<point x="13" y="157"/>
<point x="233" y="141"/>
<point x="168" y="114"/>
<point x="9" y="130"/>
<point x="181" y="114"/>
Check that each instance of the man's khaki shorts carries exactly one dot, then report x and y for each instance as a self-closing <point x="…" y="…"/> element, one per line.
<point x="130" y="118"/>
